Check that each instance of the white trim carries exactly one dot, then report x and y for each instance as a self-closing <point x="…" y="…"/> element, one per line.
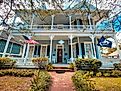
<point x="62" y="50"/>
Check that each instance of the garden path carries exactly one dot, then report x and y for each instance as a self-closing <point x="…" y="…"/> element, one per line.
<point x="62" y="81"/>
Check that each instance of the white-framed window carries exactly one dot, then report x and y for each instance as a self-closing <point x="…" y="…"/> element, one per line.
<point x="43" y="51"/>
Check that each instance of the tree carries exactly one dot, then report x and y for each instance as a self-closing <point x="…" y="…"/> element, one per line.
<point x="8" y="7"/>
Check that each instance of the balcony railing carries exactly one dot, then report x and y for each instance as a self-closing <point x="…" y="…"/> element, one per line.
<point x="63" y="28"/>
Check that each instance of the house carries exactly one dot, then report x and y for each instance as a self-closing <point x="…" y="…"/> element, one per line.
<point x="62" y="36"/>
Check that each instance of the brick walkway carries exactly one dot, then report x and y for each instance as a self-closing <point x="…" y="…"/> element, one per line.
<point x="62" y="81"/>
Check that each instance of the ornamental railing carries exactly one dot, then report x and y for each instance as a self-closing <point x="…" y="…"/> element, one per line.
<point x="62" y="28"/>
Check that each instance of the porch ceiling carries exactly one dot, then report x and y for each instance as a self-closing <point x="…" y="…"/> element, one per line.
<point x="47" y="38"/>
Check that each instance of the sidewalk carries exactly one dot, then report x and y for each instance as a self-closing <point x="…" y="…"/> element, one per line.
<point x="62" y="81"/>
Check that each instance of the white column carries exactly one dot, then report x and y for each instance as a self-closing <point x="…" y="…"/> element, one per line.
<point x="6" y="46"/>
<point x="24" y="48"/>
<point x="71" y="38"/>
<point x="50" y="1"/>
<point x="118" y="49"/>
<point x="11" y="49"/>
<point x="52" y="21"/>
<point x="33" y="51"/>
<point x="27" y="53"/>
<point x="89" y="18"/>
<point x="92" y="37"/>
<point x="79" y="48"/>
<point x="32" y="21"/>
<point x="70" y="21"/>
<point x="51" y="42"/>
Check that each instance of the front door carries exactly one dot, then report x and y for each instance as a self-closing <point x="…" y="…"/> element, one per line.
<point x="59" y="54"/>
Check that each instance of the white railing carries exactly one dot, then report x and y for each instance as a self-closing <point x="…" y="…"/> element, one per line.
<point x="66" y="27"/>
<point x="63" y="28"/>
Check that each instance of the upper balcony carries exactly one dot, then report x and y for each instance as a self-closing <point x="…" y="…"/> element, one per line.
<point x="63" y="28"/>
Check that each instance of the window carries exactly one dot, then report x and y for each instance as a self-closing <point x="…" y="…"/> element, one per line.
<point x="43" y="52"/>
<point x="88" y="50"/>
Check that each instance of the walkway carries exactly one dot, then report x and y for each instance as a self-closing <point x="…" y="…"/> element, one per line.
<point x="62" y="81"/>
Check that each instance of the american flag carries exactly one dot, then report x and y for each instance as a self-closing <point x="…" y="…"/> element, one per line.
<point x="29" y="40"/>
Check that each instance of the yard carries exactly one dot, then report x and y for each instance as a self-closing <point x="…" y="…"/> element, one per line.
<point x="11" y="83"/>
<point x="108" y="84"/>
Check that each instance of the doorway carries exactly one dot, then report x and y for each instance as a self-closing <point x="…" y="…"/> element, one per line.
<point x="59" y="53"/>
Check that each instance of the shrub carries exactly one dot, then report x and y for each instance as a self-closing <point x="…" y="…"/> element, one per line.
<point x="82" y="81"/>
<point x="116" y="73"/>
<point x="91" y="64"/>
<point x="99" y="74"/>
<point x="117" y="66"/>
<point x="41" y="62"/>
<point x="6" y="62"/>
<point x="17" y="73"/>
<point x="49" y="66"/>
<point x="107" y="74"/>
<point x="41" y="81"/>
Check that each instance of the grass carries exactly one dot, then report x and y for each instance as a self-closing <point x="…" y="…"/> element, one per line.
<point x="108" y="84"/>
<point x="11" y="83"/>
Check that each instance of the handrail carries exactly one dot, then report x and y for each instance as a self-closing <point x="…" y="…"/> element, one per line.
<point x="64" y="27"/>
<point x="60" y="26"/>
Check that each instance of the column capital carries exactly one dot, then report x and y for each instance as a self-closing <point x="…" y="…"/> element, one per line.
<point x="53" y="15"/>
<point x="70" y="36"/>
<point x="92" y="36"/>
<point x="51" y="37"/>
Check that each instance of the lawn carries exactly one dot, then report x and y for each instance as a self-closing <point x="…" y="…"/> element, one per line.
<point x="11" y="83"/>
<point x="108" y="84"/>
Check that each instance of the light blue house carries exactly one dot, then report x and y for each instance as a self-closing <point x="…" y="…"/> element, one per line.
<point x="61" y="36"/>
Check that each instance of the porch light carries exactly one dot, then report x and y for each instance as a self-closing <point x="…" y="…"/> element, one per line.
<point x="60" y="41"/>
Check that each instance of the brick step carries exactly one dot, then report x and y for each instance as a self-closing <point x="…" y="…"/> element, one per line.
<point x="56" y="67"/>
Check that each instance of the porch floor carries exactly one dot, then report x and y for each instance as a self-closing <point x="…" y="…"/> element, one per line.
<point x="61" y="65"/>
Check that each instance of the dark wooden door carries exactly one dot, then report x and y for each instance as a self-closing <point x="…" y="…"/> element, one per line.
<point x="59" y="56"/>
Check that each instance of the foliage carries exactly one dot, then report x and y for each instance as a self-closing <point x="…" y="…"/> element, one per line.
<point x="117" y="66"/>
<point x="6" y="62"/>
<point x="91" y="64"/>
<point x="99" y="74"/>
<point x="106" y="74"/>
<point x="111" y="73"/>
<point x="82" y="81"/>
<point x="71" y="66"/>
<point x="116" y="73"/>
<point x="41" y="81"/>
<point x="49" y="66"/>
<point x="17" y="72"/>
<point x="41" y="62"/>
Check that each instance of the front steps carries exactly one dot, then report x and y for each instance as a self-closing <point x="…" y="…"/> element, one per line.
<point x="61" y="68"/>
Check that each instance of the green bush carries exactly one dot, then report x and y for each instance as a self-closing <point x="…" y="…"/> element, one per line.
<point x="99" y="74"/>
<point x="116" y="73"/>
<point x="41" y="62"/>
<point x="17" y="73"/>
<point x="90" y="64"/>
<point x="117" y="66"/>
<point x="82" y="81"/>
<point x="107" y="74"/>
<point x="41" y="81"/>
<point x="49" y="66"/>
<point x="6" y="62"/>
